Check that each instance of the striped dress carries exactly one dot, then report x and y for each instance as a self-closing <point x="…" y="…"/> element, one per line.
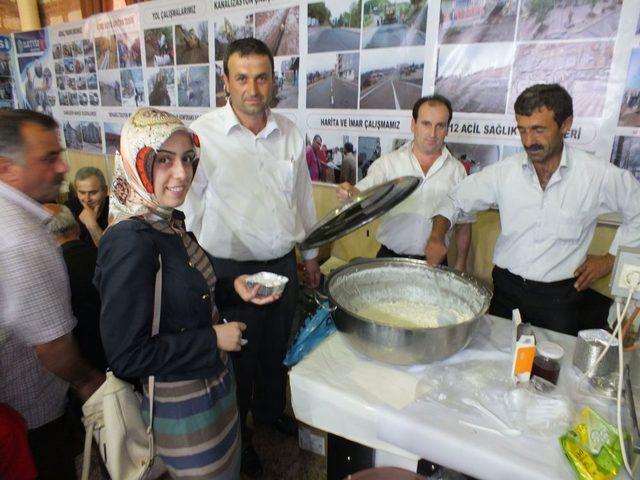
<point x="195" y="422"/>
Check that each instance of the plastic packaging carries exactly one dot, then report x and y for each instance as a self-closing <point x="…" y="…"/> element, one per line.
<point x="592" y="447"/>
<point x="315" y="328"/>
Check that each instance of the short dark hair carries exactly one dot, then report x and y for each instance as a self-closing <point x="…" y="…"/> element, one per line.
<point x="435" y="98"/>
<point x="87" y="172"/>
<point x="11" y="122"/>
<point x="316" y="137"/>
<point x="245" y="47"/>
<point x="551" y="96"/>
<point x="348" y="147"/>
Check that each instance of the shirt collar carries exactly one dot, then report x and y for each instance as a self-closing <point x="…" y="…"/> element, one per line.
<point x="231" y="121"/>
<point x="444" y="155"/>
<point x="25" y="202"/>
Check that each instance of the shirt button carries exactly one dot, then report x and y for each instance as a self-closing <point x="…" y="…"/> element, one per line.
<point x="190" y="263"/>
<point x="205" y="297"/>
<point x="183" y="329"/>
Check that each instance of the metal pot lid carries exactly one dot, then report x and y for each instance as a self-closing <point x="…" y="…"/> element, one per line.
<point x="360" y="210"/>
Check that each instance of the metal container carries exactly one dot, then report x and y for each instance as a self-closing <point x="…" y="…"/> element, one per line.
<point x="352" y="287"/>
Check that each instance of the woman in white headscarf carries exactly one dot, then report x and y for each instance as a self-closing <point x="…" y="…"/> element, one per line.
<point x="195" y="414"/>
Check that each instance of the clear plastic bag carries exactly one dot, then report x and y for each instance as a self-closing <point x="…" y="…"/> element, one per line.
<point x="534" y="409"/>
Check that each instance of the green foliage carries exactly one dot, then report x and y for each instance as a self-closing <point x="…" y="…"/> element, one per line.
<point x="320" y="12"/>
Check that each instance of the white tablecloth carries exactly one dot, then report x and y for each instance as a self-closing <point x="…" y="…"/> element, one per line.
<point x="342" y="392"/>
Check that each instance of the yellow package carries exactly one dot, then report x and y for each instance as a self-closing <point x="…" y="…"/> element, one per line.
<point x="592" y="447"/>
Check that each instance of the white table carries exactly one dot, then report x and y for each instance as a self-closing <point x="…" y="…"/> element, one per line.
<point x="337" y="390"/>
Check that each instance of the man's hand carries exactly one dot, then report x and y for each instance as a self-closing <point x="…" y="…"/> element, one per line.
<point x="251" y="294"/>
<point x="88" y="216"/>
<point x="62" y="358"/>
<point x="311" y="273"/>
<point x="593" y="268"/>
<point x="229" y="335"/>
<point x="435" y="251"/>
<point x="345" y="191"/>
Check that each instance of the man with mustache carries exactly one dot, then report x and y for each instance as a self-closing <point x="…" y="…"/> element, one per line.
<point x="249" y="204"/>
<point x="550" y="197"/>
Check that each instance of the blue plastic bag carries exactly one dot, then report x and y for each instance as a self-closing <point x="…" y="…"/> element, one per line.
<point x="315" y="328"/>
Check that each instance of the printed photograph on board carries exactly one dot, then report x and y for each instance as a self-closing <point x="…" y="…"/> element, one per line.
<point x="129" y="54"/>
<point x="91" y="137"/>
<point x="334" y="25"/>
<point x="331" y="157"/>
<point x="630" y="108"/>
<point x="87" y="47"/>
<point x="110" y="89"/>
<point x="626" y="154"/>
<point x="72" y="135"/>
<point x="221" y="96"/>
<point x="280" y="30"/>
<point x="479" y="21"/>
<point x="56" y="51"/>
<point x="158" y="46"/>
<point x="369" y="150"/>
<point x="132" y="87"/>
<point x="285" y="90"/>
<point x="391" y="79"/>
<point x="232" y="26"/>
<point x="332" y="80"/>
<point x="555" y="20"/>
<point x="61" y="83"/>
<point x="474" y="157"/>
<point x="90" y="64"/>
<point x="193" y="86"/>
<point x="389" y="23"/>
<point x="37" y="84"/>
<point x="161" y="86"/>
<point x="92" y="81"/>
<point x="112" y="137"/>
<point x="106" y="52"/>
<point x="475" y="77"/>
<point x="192" y="43"/>
<point x="580" y="67"/>
<point x="58" y="67"/>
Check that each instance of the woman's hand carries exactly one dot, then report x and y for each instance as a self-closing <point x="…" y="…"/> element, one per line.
<point x="229" y="335"/>
<point x="251" y="294"/>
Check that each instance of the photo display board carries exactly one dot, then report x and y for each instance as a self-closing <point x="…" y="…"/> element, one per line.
<point x="347" y="72"/>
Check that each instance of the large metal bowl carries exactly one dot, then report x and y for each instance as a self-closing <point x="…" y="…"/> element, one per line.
<point x="360" y="283"/>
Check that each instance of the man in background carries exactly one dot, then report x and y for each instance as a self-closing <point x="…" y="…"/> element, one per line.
<point x="91" y="204"/>
<point x="80" y="260"/>
<point x="39" y="358"/>
<point x="405" y="229"/>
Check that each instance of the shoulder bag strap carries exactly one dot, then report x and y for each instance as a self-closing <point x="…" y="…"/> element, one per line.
<point x="155" y="328"/>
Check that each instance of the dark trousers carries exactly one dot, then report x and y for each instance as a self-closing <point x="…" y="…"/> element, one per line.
<point x="54" y="448"/>
<point x="385" y="252"/>
<point x="260" y="375"/>
<point x="554" y="305"/>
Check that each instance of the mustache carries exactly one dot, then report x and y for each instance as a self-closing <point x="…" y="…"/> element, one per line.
<point x="534" y="148"/>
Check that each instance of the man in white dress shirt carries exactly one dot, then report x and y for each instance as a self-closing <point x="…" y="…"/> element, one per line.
<point x="249" y="204"/>
<point x="550" y="197"/>
<point x="405" y="229"/>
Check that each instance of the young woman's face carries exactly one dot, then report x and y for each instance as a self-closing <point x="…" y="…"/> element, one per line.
<point x="173" y="170"/>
